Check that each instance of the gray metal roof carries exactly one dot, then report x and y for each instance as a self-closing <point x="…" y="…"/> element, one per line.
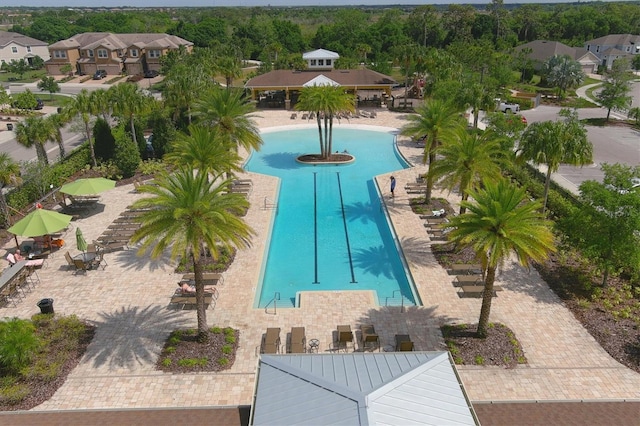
<point x="396" y="388"/>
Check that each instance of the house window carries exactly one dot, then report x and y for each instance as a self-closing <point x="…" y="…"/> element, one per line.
<point x="90" y="53"/>
<point x="14" y="49"/>
<point x="597" y="49"/>
<point x="588" y="47"/>
<point x="134" y="53"/>
<point x="321" y="62"/>
<point x="60" y="54"/>
<point x="313" y="63"/>
<point x="628" y="48"/>
<point x="154" y="54"/>
<point x="102" y="53"/>
<point x="328" y="61"/>
<point x="29" y="49"/>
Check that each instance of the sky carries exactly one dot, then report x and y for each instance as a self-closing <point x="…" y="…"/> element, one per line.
<point x="218" y="3"/>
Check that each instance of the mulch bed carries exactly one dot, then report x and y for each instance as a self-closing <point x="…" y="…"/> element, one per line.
<point x="500" y="347"/>
<point x="185" y="346"/>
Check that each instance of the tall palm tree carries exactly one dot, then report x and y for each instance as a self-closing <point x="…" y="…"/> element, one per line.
<point x="205" y="150"/>
<point x="101" y="103"/>
<point x="35" y="132"/>
<point x="81" y="105"/>
<point x="434" y="120"/>
<point x="9" y="174"/>
<point x="467" y="159"/>
<point x="325" y="101"/>
<point x="230" y="67"/>
<point x="563" y="72"/>
<point x="230" y="114"/>
<point x="127" y="102"/>
<point x="187" y="213"/>
<point x="553" y="143"/>
<point x="183" y="85"/>
<point x="478" y="97"/>
<point x="501" y="221"/>
<point x="57" y="122"/>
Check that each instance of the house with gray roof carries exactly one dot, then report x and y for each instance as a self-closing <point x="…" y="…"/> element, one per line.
<point x="539" y="51"/>
<point x="386" y="388"/>
<point x="614" y="46"/>
<point x="115" y="53"/>
<point x="14" y="46"/>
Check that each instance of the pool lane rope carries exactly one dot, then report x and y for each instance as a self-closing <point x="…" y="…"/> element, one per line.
<point x="346" y="231"/>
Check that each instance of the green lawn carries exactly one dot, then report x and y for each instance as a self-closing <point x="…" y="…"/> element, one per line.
<point x="28" y="77"/>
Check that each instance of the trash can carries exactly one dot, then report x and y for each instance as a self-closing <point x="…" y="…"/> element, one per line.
<point x="9" y="126"/>
<point x="46" y="306"/>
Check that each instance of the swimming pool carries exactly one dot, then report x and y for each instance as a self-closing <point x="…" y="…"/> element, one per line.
<point x="330" y="230"/>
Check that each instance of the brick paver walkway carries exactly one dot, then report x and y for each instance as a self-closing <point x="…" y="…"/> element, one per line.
<point x="128" y="301"/>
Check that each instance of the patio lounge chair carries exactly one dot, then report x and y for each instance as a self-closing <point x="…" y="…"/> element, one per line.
<point x="80" y="265"/>
<point x="69" y="259"/>
<point x="369" y="337"/>
<point x="271" y="341"/>
<point x="298" y="340"/>
<point x="345" y="336"/>
<point x="403" y="343"/>
<point x="462" y="268"/>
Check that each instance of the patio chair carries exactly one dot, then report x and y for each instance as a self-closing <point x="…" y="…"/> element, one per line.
<point x="369" y="337"/>
<point x="271" y="341"/>
<point x="345" y="336"/>
<point x="403" y="343"/>
<point x="298" y="340"/>
<point x="80" y="265"/>
<point x="99" y="259"/>
<point x="69" y="259"/>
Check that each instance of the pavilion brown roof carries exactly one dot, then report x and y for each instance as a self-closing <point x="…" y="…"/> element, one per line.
<point x="296" y="79"/>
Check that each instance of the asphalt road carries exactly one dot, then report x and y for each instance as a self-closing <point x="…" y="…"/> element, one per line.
<point x="611" y="144"/>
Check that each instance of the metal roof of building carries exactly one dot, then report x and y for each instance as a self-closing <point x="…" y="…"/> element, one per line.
<point x="320" y="54"/>
<point x="321" y="80"/>
<point x="396" y="388"/>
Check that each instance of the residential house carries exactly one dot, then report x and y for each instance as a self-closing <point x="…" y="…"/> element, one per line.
<point x="14" y="46"/>
<point x="614" y="46"/>
<point x="320" y="59"/>
<point x="541" y="50"/>
<point x="115" y="53"/>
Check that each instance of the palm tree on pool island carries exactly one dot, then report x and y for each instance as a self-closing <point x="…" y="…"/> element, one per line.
<point x="325" y="101"/>
<point x="501" y="221"/>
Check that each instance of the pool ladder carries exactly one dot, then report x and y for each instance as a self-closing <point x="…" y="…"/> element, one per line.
<point x="393" y="300"/>
<point x="275" y="299"/>
<point x="269" y="204"/>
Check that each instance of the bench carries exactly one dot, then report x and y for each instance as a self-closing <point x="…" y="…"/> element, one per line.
<point x="209" y="278"/>
<point x="467" y="279"/>
<point x="189" y="299"/>
<point x="476" y="290"/>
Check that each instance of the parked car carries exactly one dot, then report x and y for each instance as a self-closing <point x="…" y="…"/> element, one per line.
<point x="508" y="107"/>
<point x="99" y="75"/>
<point x="151" y="73"/>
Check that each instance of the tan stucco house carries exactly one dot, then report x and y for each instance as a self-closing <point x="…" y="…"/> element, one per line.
<point x="115" y="53"/>
<point x="14" y="46"/>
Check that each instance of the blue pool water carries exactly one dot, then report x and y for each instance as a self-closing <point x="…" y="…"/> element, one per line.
<point x="330" y="231"/>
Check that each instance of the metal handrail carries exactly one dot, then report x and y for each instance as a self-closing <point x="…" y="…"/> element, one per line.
<point x="276" y="297"/>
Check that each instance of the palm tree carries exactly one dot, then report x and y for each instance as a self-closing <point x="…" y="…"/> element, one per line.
<point x="34" y="132"/>
<point x="127" y="102"/>
<point x="81" y="105"/>
<point x="187" y="213"/>
<point x="553" y="143"/>
<point x="467" y="159"/>
<point x="635" y="114"/>
<point x="501" y="221"/>
<point x="478" y="97"/>
<point x="101" y="103"/>
<point x="205" y="150"/>
<point x="9" y="174"/>
<point x="183" y="85"/>
<point x="563" y="72"/>
<point x="434" y="120"/>
<point x="57" y="122"/>
<point x="230" y="114"/>
<point x="325" y="101"/>
<point x="230" y="67"/>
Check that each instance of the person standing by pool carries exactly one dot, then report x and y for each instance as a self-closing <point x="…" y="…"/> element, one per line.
<point x="393" y="185"/>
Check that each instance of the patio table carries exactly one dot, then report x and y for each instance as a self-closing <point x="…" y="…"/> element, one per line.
<point x="11" y="273"/>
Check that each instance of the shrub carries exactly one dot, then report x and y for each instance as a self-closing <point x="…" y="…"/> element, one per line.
<point x="127" y="156"/>
<point x="166" y="362"/>
<point x="227" y="349"/>
<point x="14" y="394"/>
<point x="105" y="143"/>
<point x="216" y="330"/>
<point x="18" y="344"/>
<point x="223" y="361"/>
<point x="230" y="339"/>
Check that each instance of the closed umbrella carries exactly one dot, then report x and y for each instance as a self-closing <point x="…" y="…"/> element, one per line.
<point x="89" y="186"/>
<point x="80" y="241"/>
<point x="40" y="222"/>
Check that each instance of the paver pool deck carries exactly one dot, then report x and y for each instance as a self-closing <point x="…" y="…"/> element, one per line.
<point x="128" y="302"/>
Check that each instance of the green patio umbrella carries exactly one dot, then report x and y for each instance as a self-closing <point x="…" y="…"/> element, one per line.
<point x="82" y="243"/>
<point x="40" y="222"/>
<point x="89" y="186"/>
